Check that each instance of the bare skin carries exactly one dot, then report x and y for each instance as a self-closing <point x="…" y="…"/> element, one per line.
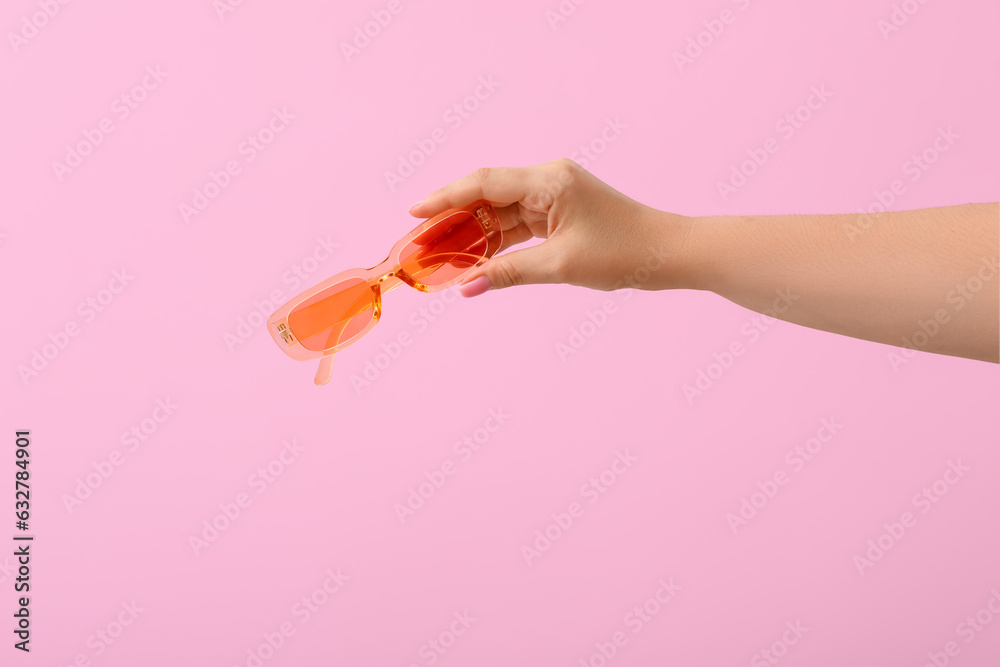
<point x="925" y="278"/>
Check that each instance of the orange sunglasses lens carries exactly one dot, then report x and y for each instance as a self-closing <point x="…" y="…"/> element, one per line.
<point x="334" y="316"/>
<point x="445" y="250"/>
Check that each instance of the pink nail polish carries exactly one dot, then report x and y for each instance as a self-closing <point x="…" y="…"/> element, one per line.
<point x="475" y="287"/>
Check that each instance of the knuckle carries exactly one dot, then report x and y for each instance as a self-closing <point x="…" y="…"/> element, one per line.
<point x="566" y="170"/>
<point x="543" y="199"/>
<point x="507" y="273"/>
<point x="482" y="174"/>
<point x="565" y="174"/>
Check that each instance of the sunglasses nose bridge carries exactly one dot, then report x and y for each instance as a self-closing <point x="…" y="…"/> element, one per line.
<point x="387" y="282"/>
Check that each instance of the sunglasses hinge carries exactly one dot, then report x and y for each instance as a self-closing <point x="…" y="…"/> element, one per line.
<point x="286" y="335"/>
<point x="483" y="217"/>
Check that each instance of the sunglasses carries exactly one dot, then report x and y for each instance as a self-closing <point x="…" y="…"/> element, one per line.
<point x="339" y="311"/>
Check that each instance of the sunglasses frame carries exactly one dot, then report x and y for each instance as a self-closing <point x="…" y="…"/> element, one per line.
<point x="381" y="278"/>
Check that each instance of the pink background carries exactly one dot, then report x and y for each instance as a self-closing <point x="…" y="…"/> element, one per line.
<point x="323" y="177"/>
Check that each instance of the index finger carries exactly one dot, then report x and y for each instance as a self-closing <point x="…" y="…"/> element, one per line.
<point x="501" y="185"/>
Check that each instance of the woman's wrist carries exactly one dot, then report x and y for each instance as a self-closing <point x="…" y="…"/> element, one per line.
<point x="686" y="243"/>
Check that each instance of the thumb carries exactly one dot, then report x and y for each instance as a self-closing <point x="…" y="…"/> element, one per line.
<point x="527" y="266"/>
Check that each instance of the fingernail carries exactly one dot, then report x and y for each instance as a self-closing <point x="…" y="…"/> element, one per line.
<point x="475" y="287"/>
<point x="417" y="204"/>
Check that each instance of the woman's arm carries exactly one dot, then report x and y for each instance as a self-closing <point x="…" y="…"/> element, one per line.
<point x="925" y="279"/>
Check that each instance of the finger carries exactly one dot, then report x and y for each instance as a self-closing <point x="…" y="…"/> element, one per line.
<point x="515" y="236"/>
<point x="516" y="226"/>
<point x="534" y="265"/>
<point x="510" y="217"/>
<point x="501" y="185"/>
<point x="517" y="214"/>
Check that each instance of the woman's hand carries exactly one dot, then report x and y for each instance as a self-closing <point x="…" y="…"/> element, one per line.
<point x="924" y="279"/>
<point x="596" y="237"/>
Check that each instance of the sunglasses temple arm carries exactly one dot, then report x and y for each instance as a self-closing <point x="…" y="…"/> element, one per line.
<point x="325" y="370"/>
